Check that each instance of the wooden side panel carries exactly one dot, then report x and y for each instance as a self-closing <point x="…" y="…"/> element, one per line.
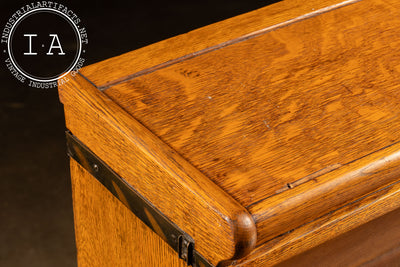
<point x="133" y="63"/>
<point x="109" y="234"/>
<point x="376" y="243"/>
<point x="221" y="228"/>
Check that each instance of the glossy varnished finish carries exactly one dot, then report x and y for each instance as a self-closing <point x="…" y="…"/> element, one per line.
<point x="173" y="186"/>
<point x="280" y="130"/>
<point x="107" y="232"/>
<point x="265" y="115"/>
<point x="108" y="72"/>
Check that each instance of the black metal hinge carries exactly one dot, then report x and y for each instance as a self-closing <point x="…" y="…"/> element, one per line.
<point x="180" y="241"/>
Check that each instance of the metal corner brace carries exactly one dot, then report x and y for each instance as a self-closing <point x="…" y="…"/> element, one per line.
<point x="180" y="241"/>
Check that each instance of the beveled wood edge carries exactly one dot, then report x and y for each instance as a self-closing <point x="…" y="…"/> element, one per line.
<point x="285" y="211"/>
<point x="225" y="230"/>
<point x="185" y="46"/>
<point x="137" y="204"/>
<point x="326" y="227"/>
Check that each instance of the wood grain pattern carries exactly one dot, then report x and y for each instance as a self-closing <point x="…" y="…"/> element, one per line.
<point x="279" y="107"/>
<point x="221" y="228"/>
<point x="109" y="234"/>
<point x="371" y="244"/>
<point x="288" y="129"/>
<point x="119" y="68"/>
<point x="258" y="116"/>
<point x="326" y="228"/>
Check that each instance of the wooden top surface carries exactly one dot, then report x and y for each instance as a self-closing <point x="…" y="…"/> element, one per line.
<point x="263" y="113"/>
<point x="291" y="120"/>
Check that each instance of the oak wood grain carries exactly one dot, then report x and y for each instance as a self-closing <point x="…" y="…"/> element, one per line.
<point x="109" y="234"/>
<point x="110" y="71"/>
<point x="267" y="117"/>
<point x="280" y="133"/>
<point x="222" y="228"/>
<point x="327" y="227"/>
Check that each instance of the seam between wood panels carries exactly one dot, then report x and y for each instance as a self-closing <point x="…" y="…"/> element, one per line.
<point x="88" y="80"/>
<point x="224" y="44"/>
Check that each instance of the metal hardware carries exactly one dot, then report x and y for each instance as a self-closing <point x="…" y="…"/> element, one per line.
<point x="181" y="242"/>
<point x="185" y="250"/>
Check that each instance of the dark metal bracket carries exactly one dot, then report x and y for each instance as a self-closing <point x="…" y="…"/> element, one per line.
<point x="180" y="241"/>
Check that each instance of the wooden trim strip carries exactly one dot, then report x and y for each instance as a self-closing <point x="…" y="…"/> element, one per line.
<point x="326" y="227"/>
<point x="215" y="36"/>
<point x="221" y="227"/>
<point x="329" y="191"/>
